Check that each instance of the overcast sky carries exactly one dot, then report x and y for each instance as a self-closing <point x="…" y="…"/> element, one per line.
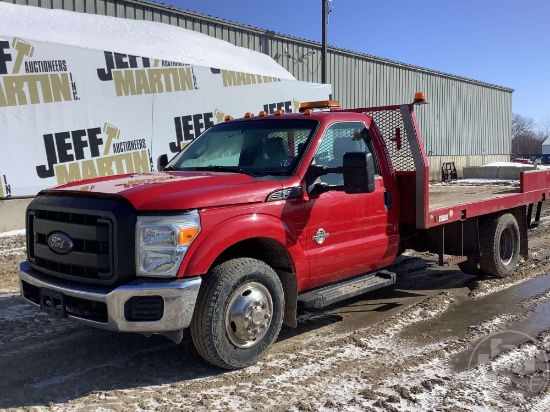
<point x="504" y="42"/>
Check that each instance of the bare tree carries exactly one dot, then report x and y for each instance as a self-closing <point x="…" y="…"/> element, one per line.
<point x="527" y="136"/>
<point x="544" y="128"/>
<point x="521" y="125"/>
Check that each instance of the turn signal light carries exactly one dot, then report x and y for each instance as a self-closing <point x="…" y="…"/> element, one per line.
<point x="185" y="236"/>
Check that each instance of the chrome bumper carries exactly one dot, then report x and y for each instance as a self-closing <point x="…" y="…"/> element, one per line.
<point x="179" y="298"/>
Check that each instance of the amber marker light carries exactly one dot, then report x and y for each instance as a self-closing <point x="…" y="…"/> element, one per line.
<point x="185" y="236"/>
<point x="278" y="113"/>
<point x="263" y="113"/>
<point x="248" y="115"/>
<point x="228" y="118"/>
<point x="307" y="112"/>
<point x="321" y="104"/>
<point x="420" y="98"/>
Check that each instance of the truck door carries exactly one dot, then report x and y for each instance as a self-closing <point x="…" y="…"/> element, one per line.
<point x="347" y="234"/>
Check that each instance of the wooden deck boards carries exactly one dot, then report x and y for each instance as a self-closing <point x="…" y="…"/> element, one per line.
<point x="446" y="196"/>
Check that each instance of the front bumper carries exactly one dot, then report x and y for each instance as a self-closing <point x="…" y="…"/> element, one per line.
<point x="178" y="297"/>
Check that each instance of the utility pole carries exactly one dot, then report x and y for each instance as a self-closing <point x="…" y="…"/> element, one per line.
<point x="324" y="42"/>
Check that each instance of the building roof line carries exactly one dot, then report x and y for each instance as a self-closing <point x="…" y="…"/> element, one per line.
<point x="313" y="44"/>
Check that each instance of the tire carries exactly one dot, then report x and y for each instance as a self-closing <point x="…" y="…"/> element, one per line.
<point x="499" y="246"/>
<point x="238" y="314"/>
<point x="470" y="267"/>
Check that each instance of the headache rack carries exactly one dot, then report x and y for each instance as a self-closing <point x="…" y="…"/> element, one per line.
<point x="395" y="130"/>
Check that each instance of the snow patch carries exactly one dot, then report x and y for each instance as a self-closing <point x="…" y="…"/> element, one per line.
<point x="507" y="164"/>
<point x="478" y="182"/>
<point x="135" y="37"/>
<point x="20" y="232"/>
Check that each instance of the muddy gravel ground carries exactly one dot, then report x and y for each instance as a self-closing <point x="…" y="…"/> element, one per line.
<point x="441" y="340"/>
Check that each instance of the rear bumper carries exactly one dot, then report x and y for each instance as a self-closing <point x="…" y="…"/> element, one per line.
<point x="178" y="296"/>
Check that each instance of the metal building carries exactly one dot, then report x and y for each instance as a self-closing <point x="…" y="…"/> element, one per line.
<point x="467" y="122"/>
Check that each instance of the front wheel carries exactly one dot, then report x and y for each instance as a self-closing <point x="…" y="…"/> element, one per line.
<point x="239" y="313"/>
<point x="499" y="245"/>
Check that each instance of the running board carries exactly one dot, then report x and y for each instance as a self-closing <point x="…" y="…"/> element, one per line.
<point x="328" y="295"/>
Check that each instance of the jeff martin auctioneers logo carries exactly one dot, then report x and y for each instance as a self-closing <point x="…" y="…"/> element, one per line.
<point x="135" y="75"/>
<point x="93" y="152"/>
<point x="527" y="371"/>
<point x="25" y="81"/>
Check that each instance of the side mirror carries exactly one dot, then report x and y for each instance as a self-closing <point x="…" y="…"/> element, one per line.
<point x="162" y="161"/>
<point x="358" y="172"/>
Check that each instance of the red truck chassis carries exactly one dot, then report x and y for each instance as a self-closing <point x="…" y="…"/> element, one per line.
<point x="231" y="245"/>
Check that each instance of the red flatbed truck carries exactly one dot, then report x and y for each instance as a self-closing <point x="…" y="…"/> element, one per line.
<point x="256" y="217"/>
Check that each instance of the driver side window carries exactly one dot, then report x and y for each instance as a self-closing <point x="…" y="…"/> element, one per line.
<point x="341" y="138"/>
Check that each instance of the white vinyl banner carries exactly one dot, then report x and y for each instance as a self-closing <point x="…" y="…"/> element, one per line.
<point x="69" y="113"/>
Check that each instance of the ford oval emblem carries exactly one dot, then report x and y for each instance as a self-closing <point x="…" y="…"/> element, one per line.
<point x="60" y="243"/>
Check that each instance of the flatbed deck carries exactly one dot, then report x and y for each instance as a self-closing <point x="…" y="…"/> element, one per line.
<point x="442" y="196"/>
<point x="449" y="203"/>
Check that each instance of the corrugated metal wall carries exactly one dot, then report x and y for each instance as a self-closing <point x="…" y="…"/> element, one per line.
<point x="464" y="117"/>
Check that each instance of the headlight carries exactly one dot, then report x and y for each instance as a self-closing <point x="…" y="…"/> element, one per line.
<point x="162" y="241"/>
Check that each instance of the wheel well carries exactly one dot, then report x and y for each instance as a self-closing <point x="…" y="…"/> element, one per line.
<point x="520" y="214"/>
<point x="276" y="256"/>
<point x="267" y="250"/>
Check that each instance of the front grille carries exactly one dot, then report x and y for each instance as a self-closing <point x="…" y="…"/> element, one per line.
<point x="102" y="235"/>
<point x="91" y="256"/>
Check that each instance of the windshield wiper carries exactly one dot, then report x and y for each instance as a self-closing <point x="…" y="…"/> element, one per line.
<point x="171" y="167"/>
<point x="232" y="169"/>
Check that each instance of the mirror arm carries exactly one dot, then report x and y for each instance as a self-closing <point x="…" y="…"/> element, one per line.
<point x="317" y="171"/>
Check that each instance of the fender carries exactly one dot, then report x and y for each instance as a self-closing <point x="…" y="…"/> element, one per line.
<point x="203" y="253"/>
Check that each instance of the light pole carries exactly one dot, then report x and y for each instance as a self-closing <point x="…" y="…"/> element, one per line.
<point x="325" y="12"/>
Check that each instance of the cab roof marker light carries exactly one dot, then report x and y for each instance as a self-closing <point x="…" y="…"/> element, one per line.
<point x="278" y="113"/>
<point x="320" y="104"/>
<point x="263" y="113"/>
<point x="420" y="98"/>
<point x="228" y="118"/>
<point x="248" y="115"/>
<point x="308" y="112"/>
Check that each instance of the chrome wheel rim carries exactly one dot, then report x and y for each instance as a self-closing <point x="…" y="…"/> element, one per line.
<point x="248" y="315"/>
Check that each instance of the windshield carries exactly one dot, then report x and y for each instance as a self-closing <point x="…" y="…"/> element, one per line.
<point x="256" y="147"/>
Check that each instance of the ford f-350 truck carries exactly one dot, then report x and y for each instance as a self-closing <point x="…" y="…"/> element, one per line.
<point x="257" y="217"/>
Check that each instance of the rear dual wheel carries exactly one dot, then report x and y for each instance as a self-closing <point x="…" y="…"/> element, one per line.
<point x="239" y="313"/>
<point x="470" y="267"/>
<point x="499" y="246"/>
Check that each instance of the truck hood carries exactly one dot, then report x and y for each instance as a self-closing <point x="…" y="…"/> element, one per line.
<point x="179" y="190"/>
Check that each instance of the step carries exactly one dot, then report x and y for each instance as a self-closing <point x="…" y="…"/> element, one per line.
<point x="328" y="295"/>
